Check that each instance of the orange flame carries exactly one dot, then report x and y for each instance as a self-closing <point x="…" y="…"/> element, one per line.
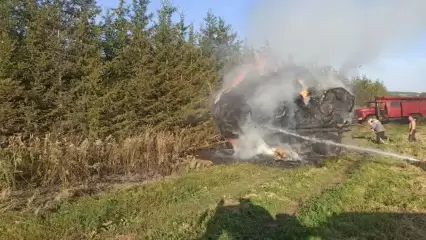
<point x="304" y="93"/>
<point x="280" y="153"/>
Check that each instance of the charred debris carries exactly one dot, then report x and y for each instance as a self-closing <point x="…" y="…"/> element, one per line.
<point x="305" y="105"/>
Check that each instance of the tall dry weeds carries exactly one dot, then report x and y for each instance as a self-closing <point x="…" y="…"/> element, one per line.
<point x="48" y="161"/>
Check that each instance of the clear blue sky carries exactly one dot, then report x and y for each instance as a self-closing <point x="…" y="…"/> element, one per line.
<point x="402" y="67"/>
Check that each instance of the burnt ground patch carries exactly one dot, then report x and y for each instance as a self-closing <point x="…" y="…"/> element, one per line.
<point x="225" y="156"/>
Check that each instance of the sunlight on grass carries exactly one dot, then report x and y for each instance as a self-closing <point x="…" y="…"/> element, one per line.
<point x="354" y="195"/>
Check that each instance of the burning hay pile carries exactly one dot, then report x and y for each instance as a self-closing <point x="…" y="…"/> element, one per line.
<point x="290" y="98"/>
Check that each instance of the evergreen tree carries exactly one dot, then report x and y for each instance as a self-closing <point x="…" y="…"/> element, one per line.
<point x="11" y="91"/>
<point x="40" y="67"/>
<point x="220" y="42"/>
<point x="62" y="72"/>
<point x="84" y="69"/>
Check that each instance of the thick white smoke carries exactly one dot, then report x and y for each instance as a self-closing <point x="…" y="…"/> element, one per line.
<point x="340" y="33"/>
<point x="344" y="33"/>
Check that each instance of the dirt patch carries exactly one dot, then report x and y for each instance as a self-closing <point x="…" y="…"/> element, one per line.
<point x="127" y="237"/>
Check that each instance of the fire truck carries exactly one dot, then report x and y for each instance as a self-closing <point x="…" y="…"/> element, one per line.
<point x="388" y="108"/>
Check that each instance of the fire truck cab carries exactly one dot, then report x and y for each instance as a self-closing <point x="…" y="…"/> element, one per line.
<point x="392" y="108"/>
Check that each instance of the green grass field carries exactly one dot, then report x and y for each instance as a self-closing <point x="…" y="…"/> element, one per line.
<point x="351" y="197"/>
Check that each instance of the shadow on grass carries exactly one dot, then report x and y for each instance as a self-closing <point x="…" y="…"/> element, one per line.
<point x="249" y="221"/>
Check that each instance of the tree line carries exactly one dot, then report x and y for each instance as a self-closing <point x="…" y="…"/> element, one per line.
<point x="366" y="89"/>
<point x="63" y="72"/>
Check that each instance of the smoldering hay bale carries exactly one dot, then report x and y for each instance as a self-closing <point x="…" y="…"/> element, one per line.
<point x="230" y="113"/>
<point x="326" y="107"/>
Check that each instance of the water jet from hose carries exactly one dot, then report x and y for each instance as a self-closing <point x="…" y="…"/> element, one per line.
<point x="356" y="148"/>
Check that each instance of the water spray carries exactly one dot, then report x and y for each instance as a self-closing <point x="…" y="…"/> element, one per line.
<point x="356" y="148"/>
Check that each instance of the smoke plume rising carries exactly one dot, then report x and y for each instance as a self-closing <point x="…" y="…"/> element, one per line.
<point x="343" y="34"/>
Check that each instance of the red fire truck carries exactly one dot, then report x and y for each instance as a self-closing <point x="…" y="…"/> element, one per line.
<point x="392" y="108"/>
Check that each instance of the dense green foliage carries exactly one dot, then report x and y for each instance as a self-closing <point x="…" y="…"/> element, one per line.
<point x="366" y="89"/>
<point x="62" y="72"/>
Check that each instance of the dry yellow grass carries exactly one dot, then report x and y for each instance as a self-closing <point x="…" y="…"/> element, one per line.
<point x="65" y="162"/>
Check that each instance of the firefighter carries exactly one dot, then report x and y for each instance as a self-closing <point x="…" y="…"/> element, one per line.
<point x="378" y="128"/>
<point x="412" y="129"/>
